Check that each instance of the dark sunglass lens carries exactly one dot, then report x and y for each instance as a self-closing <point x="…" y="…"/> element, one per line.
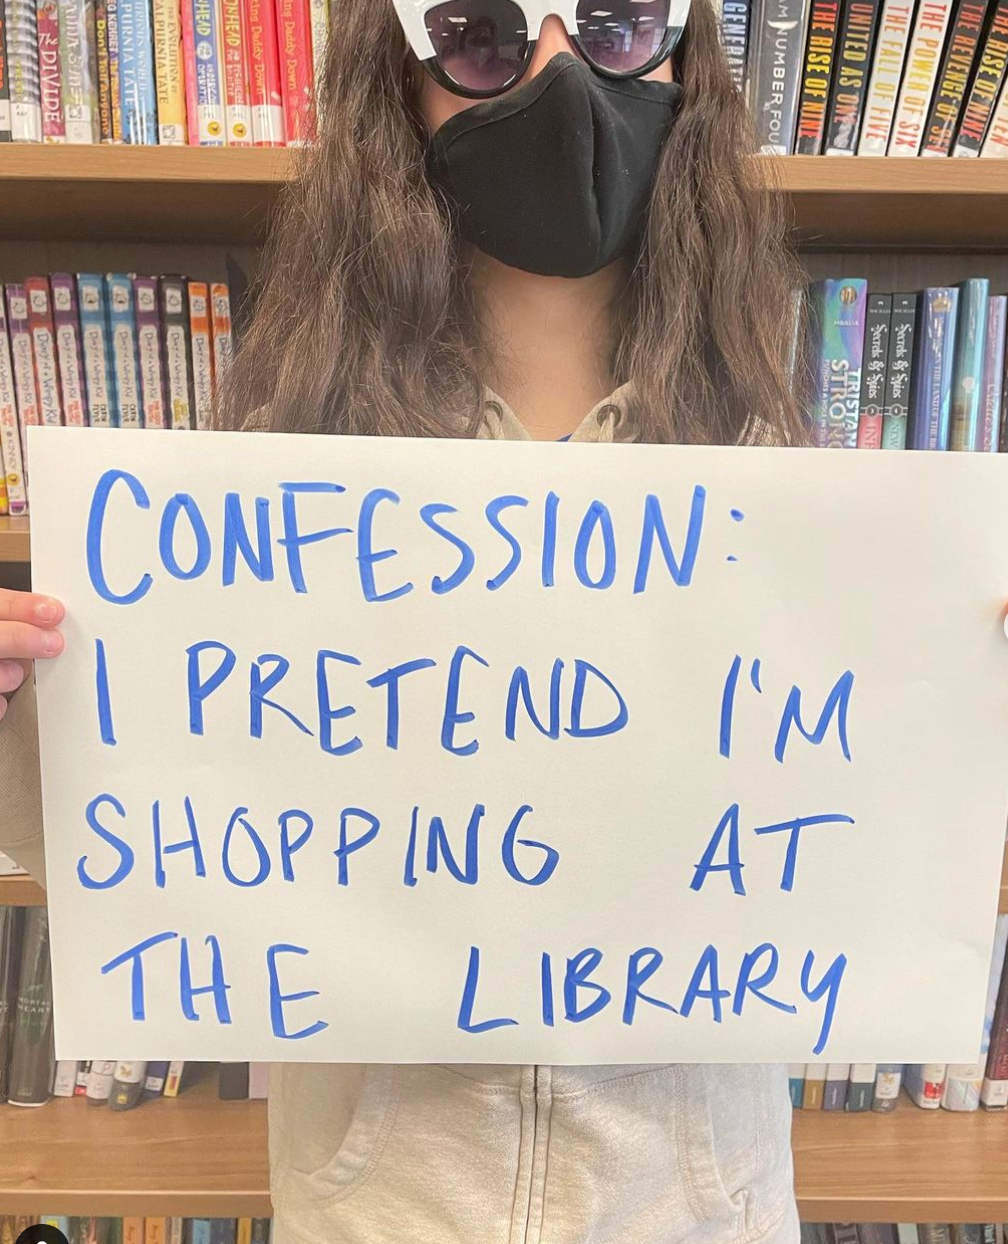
<point x="622" y="35"/>
<point x="480" y="44"/>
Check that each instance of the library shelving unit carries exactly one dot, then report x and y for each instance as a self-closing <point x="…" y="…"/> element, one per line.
<point x="203" y="1157"/>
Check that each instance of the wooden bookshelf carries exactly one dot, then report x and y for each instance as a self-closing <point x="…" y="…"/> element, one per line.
<point x="20" y="891"/>
<point x="226" y="195"/>
<point x="14" y="540"/>
<point x="195" y="1156"/>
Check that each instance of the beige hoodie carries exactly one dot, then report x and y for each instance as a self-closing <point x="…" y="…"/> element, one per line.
<point x="463" y="1154"/>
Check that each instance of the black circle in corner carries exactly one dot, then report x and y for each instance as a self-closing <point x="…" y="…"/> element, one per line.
<point x="42" y="1233"/>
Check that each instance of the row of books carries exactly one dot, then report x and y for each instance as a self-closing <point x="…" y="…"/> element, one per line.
<point x="106" y="351"/>
<point x="872" y="77"/>
<point x="921" y="370"/>
<point x="236" y="73"/>
<point x="952" y="1086"/>
<point x="903" y="1233"/>
<point x="145" y="1230"/>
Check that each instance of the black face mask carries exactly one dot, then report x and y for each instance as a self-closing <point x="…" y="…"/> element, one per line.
<point x="556" y="176"/>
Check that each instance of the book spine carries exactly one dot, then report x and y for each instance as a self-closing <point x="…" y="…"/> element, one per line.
<point x="236" y="75"/>
<point x="796" y="1083"/>
<point x="102" y="62"/>
<point x="155" y="1080"/>
<point x="64" y="1079"/>
<point x="861" y="1087"/>
<point x="11" y="926"/>
<point x="992" y="374"/>
<point x="815" y="1083"/>
<point x="259" y="1076"/>
<point x="899" y="372"/>
<point x="994" y="1089"/>
<point x="735" y="37"/>
<point x="50" y="87"/>
<point x="127" y="1086"/>
<point x="202" y="352"/>
<point x="850" y="82"/>
<point x="23" y="66"/>
<point x="23" y="364"/>
<point x="835" y="1089"/>
<point x="175" y="1233"/>
<point x="100" y="1082"/>
<point x="43" y="335"/>
<point x="210" y="106"/>
<point x="177" y="350"/>
<point x="873" y="372"/>
<point x="68" y="349"/>
<point x="136" y="73"/>
<point x="77" y="62"/>
<point x="318" y="16"/>
<point x="924" y="1083"/>
<point x="220" y="325"/>
<point x="133" y="1230"/>
<point x="932" y="393"/>
<point x="820" y="51"/>
<point x="17" y="503"/>
<point x="173" y="1080"/>
<point x="294" y="40"/>
<point x="995" y="143"/>
<point x="919" y="77"/>
<point x="261" y="1230"/>
<point x="840" y="307"/>
<point x="233" y="1082"/>
<point x="115" y="86"/>
<point x="967" y="363"/>
<point x="953" y="77"/>
<point x="96" y="346"/>
<point x="222" y="1231"/>
<point x="83" y="1076"/>
<point x="168" y="78"/>
<point x="5" y="100"/>
<point x="243" y="1235"/>
<point x="888" y="1079"/>
<point x="148" y="335"/>
<point x="264" y="73"/>
<point x="988" y="77"/>
<point x="189" y="73"/>
<point x="32" y="1061"/>
<point x="122" y="330"/>
<point x="199" y="1231"/>
<point x="155" y="1230"/>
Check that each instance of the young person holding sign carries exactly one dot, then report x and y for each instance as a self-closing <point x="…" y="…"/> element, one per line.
<point x="556" y="207"/>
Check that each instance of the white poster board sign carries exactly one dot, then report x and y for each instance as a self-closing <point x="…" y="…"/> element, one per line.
<point x="391" y="750"/>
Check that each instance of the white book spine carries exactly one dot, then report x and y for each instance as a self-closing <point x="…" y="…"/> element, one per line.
<point x="922" y="62"/>
<point x="46" y="364"/>
<point x="886" y="73"/>
<point x="10" y="438"/>
<point x="127" y="380"/>
<point x="202" y="358"/>
<point x="65" y="1079"/>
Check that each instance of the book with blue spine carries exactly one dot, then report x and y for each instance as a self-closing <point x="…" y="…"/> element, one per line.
<point x="838" y="315"/>
<point x="96" y="348"/>
<point x="223" y="1231"/>
<point x="122" y="327"/>
<point x="796" y="1083"/>
<point x="931" y="404"/>
<point x="967" y="364"/>
<point x="992" y="374"/>
<point x="137" y="90"/>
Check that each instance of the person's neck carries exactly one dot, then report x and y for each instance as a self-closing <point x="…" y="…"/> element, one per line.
<point x="549" y="341"/>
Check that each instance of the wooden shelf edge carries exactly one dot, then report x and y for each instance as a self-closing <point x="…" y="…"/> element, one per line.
<point x="21" y="891"/>
<point x="15" y="540"/>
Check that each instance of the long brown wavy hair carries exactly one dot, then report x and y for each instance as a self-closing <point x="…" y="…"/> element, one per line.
<point x="363" y="320"/>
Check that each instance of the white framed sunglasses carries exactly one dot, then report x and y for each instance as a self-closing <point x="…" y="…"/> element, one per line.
<point x="481" y="48"/>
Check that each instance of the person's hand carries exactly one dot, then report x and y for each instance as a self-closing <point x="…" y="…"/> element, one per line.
<point x="28" y="631"/>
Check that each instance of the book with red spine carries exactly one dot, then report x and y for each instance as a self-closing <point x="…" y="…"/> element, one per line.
<point x="296" y="73"/>
<point x="988" y="77"/>
<point x="68" y="349"/>
<point x="953" y="77"/>
<point x="236" y="75"/>
<point x="189" y="74"/>
<point x="50" y="86"/>
<point x="10" y="439"/>
<point x="43" y="336"/>
<point x="265" y="94"/>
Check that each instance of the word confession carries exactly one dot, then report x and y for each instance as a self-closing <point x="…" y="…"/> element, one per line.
<point x="394" y="750"/>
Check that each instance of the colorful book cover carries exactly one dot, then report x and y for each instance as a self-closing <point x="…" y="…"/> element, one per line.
<point x="96" y="347"/>
<point x="839" y="317"/>
<point x="210" y="106"/>
<point x="953" y="77"/>
<point x="850" y="80"/>
<point x="43" y="336"/>
<point x="735" y="37"/>
<point x="964" y="1081"/>
<point x="23" y="68"/>
<point x="68" y="349"/>
<point x="168" y="79"/>
<point x="835" y="1088"/>
<point x="888" y="1081"/>
<point x="136" y="73"/>
<point x="122" y="329"/>
<point x="264" y="73"/>
<point x="189" y="73"/>
<point x="899" y="371"/>
<point x="236" y="75"/>
<point x="78" y="67"/>
<point x="820" y="52"/>
<point x="923" y="57"/>
<point x="112" y="8"/>
<point x="5" y="106"/>
<point x="779" y="45"/>
<point x="31" y="1059"/>
<point x="294" y="40"/>
<point x="875" y="363"/>
<point x="992" y="374"/>
<point x="930" y="409"/>
<point x="924" y="1083"/>
<point x="202" y="352"/>
<point x="104" y="80"/>
<point x="174" y="304"/>
<point x="10" y="455"/>
<point x="149" y="359"/>
<point x="967" y="364"/>
<point x="318" y="11"/>
<point x="988" y="78"/>
<point x="815" y="1083"/>
<point x="995" y="144"/>
<point x="50" y="86"/>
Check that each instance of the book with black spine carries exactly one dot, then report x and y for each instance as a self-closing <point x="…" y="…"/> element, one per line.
<point x="988" y="77"/>
<point x="817" y="74"/>
<point x="735" y="18"/>
<point x="874" y="367"/>
<point x="11" y="925"/>
<point x="919" y="77"/>
<point x="850" y="77"/>
<point x="899" y="371"/>
<point x="953" y="77"/>
<point x="32" y="1060"/>
<point x="779" y="48"/>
